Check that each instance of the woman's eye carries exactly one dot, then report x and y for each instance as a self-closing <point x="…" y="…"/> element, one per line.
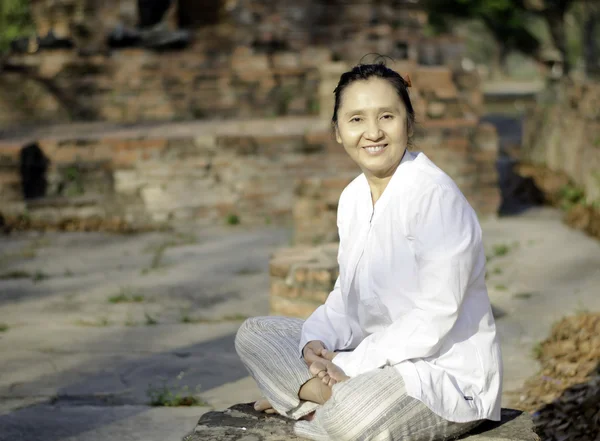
<point x="355" y="119"/>
<point x="387" y="116"/>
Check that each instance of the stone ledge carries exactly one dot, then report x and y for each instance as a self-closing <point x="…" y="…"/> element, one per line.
<point x="242" y="422"/>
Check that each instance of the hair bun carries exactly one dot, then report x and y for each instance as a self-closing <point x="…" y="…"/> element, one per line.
<point x="407" y="80"/>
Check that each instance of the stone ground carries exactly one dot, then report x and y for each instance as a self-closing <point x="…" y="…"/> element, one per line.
<point x="94" y="322"/>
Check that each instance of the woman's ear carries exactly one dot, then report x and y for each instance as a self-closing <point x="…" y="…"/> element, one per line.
<point x="338" y="138"/>
<point x="409" y="128"/>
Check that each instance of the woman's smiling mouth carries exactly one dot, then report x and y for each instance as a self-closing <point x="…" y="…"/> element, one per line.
<point x="375" y="149"/>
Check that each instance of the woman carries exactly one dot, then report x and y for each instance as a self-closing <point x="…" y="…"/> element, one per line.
<point x="405" y="346"/>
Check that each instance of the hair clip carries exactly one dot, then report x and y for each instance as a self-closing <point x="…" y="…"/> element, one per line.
<point x="407" y="81"/>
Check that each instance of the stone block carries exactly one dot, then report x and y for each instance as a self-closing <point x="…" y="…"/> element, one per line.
<point x="242" y="422"/>
<point x="486" y="137"/>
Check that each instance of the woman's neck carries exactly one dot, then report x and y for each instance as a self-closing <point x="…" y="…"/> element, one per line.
<point x="377" y="186"/>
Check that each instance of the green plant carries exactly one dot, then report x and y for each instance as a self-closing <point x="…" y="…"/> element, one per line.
<point x="150" y="321"/>
<point x="74" y="178"/>
<point x="173" y="396"/>
<point x="248" y="271"/>
<point x="501" y="250"/>
<point x="38" y="276"/>
<point x="523" y="295"/>
<point x="537" y="351"/>
<point x="501" y="287"/>
<point x="15" y="274"/>
<point x="15" y="21"/>
<point x="570" y="195"/>
<point x="497" y="270"/>
<point x="68" y="273"/>
<point x="233" y="219"/>
<point x="126" y="295"/>
<point x="3" y="327"/>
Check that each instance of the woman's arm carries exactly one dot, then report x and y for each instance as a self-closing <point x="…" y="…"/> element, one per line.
<point x="329" y="323"/>
<point x="446" y="239"/>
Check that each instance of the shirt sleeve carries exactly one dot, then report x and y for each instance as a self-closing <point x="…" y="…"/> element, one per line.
<point x="446" y="241"/>
<point x="330" y="323"/>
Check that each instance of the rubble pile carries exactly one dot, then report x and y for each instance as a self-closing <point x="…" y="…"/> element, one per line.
<point x="564" y="396"/>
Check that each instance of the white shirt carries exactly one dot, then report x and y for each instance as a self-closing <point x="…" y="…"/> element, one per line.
<point x="419" y="300"/>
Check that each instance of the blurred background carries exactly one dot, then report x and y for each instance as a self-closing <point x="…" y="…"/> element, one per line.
<point x="167" y="170"/>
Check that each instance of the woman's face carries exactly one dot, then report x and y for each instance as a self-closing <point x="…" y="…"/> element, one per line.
<point x="372" y="126"/>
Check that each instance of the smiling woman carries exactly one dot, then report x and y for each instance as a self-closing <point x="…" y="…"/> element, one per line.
<point x="405" y="345"/>
<point x="373" y="119"/>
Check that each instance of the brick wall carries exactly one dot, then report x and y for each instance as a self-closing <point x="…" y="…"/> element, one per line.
<point x="137" y="85"/>
<point x="205" y="175"/>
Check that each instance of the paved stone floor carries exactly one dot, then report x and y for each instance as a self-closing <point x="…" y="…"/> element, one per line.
<point x="95" y="322"/>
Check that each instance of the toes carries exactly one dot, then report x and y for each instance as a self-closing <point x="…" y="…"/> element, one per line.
<point x="262" y="405"/>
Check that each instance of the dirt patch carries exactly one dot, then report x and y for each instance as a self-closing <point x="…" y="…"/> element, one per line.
<point x="564" y="396"/>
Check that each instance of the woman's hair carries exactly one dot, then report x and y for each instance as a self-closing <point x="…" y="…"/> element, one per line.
<point x="362" y="72"/>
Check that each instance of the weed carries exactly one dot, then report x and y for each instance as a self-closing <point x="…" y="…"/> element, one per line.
<point x="158" y="255"/>
<point x="126" y="295"/>
<point x="235" y="318"/>
<point x="150" y="321"/>
<point x="38" y="276"/>
<point x="501" y="250"/>
<point x="248" y="271"/>
<point x="570" y="195"/>
<point x="497" y="270"/>
<point x="159" y="250"/>
<point x="16" y="274"/>
<point x="173" y="397"/>
<point x="501" y="287"/>
<point x="3" y="327"/>
<point x="68" y="273"/>
<point x="186" y="318"/>
<point x="537" y="351"/>
<point x="233" y="219"/>
<point x="523" y="295"/>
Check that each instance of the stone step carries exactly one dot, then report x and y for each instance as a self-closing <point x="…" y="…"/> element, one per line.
<point x="243" y="422"/>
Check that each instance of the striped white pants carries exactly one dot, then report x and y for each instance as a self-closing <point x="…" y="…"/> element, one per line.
<point x="372" y="406"/>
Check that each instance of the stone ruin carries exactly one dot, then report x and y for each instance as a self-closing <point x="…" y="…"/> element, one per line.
<point x="242" y="422"/>
<point x="235" y="125"/>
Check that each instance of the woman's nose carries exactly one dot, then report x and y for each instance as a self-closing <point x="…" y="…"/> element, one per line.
<point x="372" y="131"/>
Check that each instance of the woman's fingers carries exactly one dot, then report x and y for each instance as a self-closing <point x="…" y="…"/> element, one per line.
<point x="317" y="367"/>
<point x="328" y="355"/>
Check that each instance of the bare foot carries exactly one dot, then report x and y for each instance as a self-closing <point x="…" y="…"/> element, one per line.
<point x="263" y="405"/>
<point x="328" y="372"/>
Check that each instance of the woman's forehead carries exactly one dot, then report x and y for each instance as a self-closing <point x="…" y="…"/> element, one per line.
<point x="371" y="93"/>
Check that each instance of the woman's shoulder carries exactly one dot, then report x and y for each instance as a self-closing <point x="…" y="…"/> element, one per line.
<point x="424" y="175"/>
<point x="353" y="188"/>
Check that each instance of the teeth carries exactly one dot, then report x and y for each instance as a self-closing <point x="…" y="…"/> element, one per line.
<point x="374" y="149"/>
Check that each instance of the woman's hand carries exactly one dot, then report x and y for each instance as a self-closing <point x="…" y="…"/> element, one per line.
<point x="328" y="372"/>
<point x="312" y="352"/>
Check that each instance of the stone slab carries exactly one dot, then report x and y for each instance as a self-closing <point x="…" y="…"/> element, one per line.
<point x="242" y="422"/>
